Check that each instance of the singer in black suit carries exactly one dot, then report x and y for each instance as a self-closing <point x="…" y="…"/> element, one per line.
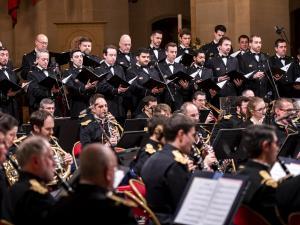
<point x="256" y="61"/>
<point x="36" y="92"/>
<point x="157" y="54"/>
<point x="114" y="96"/>
<point x="185" y="43"/>
<point x="79" y="93"/>
<point x="279" y="60"/>
<point x="8" y="103"/>
<point x="222" y="64"/>
<point x="29" y="59"/>
<point x="142" y="71"/>
<point x="168" y="67"/>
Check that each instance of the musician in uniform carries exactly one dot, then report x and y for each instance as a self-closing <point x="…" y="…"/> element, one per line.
<point x="167" y="172"/>
<point x="157" y="54"/>
<point x="278" y="61"/>
<point x="256" y="61"/>
<point x="222" y="64"/>
<point x="99" y="125"/>
<point x="29" y="59"/>
<point x="28" y="200"/>
<point x="211" y="49"/>
<point x="36" y="91"/>
<point x="155" y="143"/>
<point x="8" y="103"/>
<point x="78" y="92"/>
<point x="93" y="201"/>
<point x="148" y="103"/>
<point x="262" y="147"/>
<point x="114" y="96"/>
<point x="169" y="67"/>
<point x="199" y="100"/>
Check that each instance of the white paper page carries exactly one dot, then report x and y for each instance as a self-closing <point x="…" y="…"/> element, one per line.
<point x="65" y="80"/>
<point x="133" y="79"/>
<point x="293" y="168"/>
<point x="298" y="79"/>
<point x="193" y="75"/>
<point x="222" y="83"/>
<point x="248" y="74"/>
<point x="235" y="53"/>
<point x="277" y="172"/>
<point x="286" y="67"/>
<point x="177" y="60"/>
<point x="119" y="175"/>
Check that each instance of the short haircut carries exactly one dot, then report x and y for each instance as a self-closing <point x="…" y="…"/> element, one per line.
<point x="183" y="108"/>
<point x="38" y="118"/>
<point x="39" y="53"/>
<point x="94" y="159"/>
<point x="108" y="47"/>
<point x="243" y="36"/>
<point x="46" y="101"/>
<point x="147" y="99"/>
<point x="154" y="121"/>
<point x="254" y="137"/>
<point x="176" y="123"/>
<point x="161" y="107"/>
<point x="279" y="102"/>
<point x="195" y="95"/>
<point x="198" y="51"/>
<point x="254" y="36"/>
<point x="74" y="51"/>
<point x="84" y="39"/>
<point x="220" y="28"/>
<point x="94" y="97"/>
<point x="278" y="41"/>
<point x="156" y="32"/>
<point x="223" y="39"/>
<point x="142" y="50"/>
<point x="170" y="44"/>
<point x="34" y="145"/>
<point x="7" y="123"/>
<point x="184" y="31"/>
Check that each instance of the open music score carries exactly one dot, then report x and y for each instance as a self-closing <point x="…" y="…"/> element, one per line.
<point x="210" y="201"/>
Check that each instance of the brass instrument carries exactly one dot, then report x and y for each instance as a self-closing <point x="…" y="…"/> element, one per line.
<point x="215" y="109"/>
<point x="62" y="169"/>
<point x="111" y="128"/>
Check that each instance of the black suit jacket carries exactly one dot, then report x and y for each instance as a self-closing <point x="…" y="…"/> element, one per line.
<point x="28" y="61"/>
<point x="161" y="55"/>
<point x="122" y="60"/>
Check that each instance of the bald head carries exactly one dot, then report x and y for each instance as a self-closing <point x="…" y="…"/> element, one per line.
<point x="97" y="164"/>
<point x="41" y="42"/>
<point x="125" y="43"/>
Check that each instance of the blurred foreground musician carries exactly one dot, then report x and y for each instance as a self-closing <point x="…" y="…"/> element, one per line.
<point x="167" y="172"/>
<point x="93" y="201"/>
<point x="99" y="125"/>
<point x="28" y="200"/>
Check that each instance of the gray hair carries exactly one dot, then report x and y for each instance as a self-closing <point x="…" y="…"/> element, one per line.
<point x="39" y="53"/>
<point x="34" y="145"/>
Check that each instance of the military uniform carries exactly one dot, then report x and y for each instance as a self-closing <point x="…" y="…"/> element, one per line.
<point x="165" y="175"/>
<point x="27" y="202"/>
<point x="91" y="204"/>
<point x="161" y="55"/>
<point x="144" y="154"/>
<point x="261" y="192"/>
<point x="210" y="50"/>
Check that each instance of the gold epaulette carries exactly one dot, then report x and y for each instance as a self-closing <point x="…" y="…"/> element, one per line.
<point x="267" y="179"/>
<point x="85" y="123"/>
<point x="120" y="201"/>
<point x="82" y="115"/>
<point x="37" y="187"/>
<point x="227" y="117"/>
<point x="159" y="147"/>
<point x="179" y="157"/>
<point x="149" y="149"/>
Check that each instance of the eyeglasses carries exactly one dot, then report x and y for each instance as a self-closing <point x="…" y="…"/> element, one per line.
<point x="260" y="109"/>
<point x="42" y="42"/>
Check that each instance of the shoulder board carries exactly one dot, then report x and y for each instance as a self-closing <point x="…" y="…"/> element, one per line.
<point x="149" y="149"/>
<point x="81" y="115"/>
<point x="179" y="157"/>
<point x="37" y="187"/>
<point x="120" y="201"/>
<point x="85" y="123"/>
<point x="159" y="147"/>
<point x="267" y="179"/>
<point x="227" y="117"/>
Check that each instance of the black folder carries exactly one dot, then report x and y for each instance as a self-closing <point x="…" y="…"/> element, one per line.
<point x="291" y="146"/>
<point x="61" y="58"/>
<point x="208" y="84"/>
<point x="49" y="82"/>
<point x="6" y="85"/>
<point x="116" y="81"/>
<point x="87" y="74"/>
<point x="235" y="75"/>
<point x="135" y="124"/>
<point x="277" y="71"/>
<point x="186" y="59"/>
<point x="131" y="139"/>
<point x="203" y="115"/>
<point x="152" y="83"/>
<point x="90" y="60"/>
<point x="180" y="75"/>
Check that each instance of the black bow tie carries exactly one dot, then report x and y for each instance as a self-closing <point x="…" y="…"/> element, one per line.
<point x="224" y="56"/>
<point x="153" y="48"/>
<point x="44" y="70"/>
<point x="128" y="54"/>
<point x="282" y="58"/>
<point x="257" y="54"/>
<point x="170" y="64"/>
<point x="4" y="68"/>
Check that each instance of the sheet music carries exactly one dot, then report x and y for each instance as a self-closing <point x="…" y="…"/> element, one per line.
<point x="286" y="67"/>
<point x="65" y="80"/>
<point x="248" y="74"/>
<point x="222" y="83"/>
<point x="298" y="79"/>
<point x="177" y="60"/>
<point x="277" y="171"/>
<point x="193" y="75"/>
<point x="235" y="53"/>
<point x="133" y="79"/>
<point x="208" y="201"/>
